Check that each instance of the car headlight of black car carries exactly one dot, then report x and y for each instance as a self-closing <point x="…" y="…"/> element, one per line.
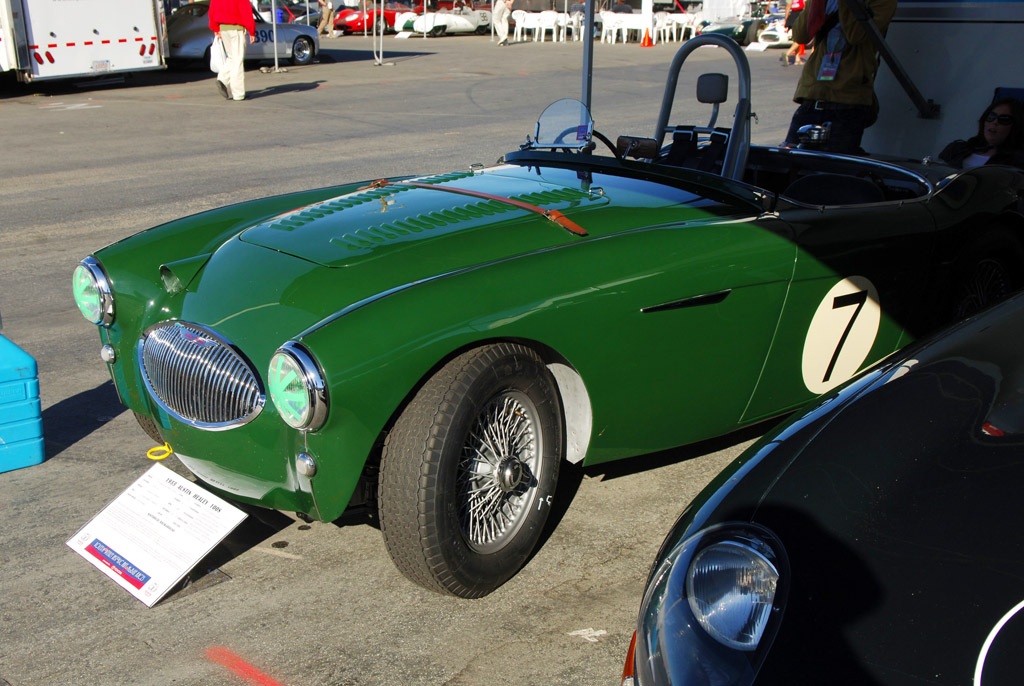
<point x="712" y="608"/>
<point x="296" y="386"/>
<point x="92" y="291"/>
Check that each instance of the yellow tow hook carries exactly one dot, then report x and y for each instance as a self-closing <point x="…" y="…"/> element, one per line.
<point x="159" y="452"/>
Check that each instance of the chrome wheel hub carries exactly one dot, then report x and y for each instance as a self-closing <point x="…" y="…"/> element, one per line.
<point x="511" y="474"/>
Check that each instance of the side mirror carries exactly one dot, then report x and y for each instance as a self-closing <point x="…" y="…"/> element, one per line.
<point x="638" y="147"/>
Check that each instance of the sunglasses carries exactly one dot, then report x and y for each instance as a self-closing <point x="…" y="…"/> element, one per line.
<point x="1003" y="119"/>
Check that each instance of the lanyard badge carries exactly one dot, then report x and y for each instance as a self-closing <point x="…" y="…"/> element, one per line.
<point x="834" y="44"/>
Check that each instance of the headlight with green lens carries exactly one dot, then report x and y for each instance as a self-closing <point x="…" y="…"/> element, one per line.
<point x="297" y="389"/>
<point x="92" y="291"/>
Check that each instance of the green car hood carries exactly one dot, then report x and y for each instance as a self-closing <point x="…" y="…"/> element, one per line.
<point x="424" y="217"/>
<point x="468" y="218"/>
<point x="426" y="228"/>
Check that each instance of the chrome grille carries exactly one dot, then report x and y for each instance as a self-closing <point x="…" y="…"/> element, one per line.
<point x="198" y="377"/>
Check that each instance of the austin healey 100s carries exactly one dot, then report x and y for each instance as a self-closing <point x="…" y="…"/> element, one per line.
<point x="436" y="346"/>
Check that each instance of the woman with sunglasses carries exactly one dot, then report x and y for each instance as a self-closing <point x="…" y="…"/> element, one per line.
<point x="1000" y="139"/>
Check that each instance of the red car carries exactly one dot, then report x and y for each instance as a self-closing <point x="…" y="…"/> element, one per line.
<point x="355" y="20"/>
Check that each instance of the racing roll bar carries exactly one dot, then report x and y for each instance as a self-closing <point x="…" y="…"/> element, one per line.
<point x="735" y="160"/>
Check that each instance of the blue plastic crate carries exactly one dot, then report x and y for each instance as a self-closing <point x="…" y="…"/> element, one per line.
<point x="21" y="424"/>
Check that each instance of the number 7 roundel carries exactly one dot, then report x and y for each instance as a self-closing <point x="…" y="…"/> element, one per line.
<point x="841" y="334"/>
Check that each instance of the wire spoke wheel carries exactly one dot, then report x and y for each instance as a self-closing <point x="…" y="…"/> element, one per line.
<point x="989" y="283"/>
<point x="988" y="272"/>
<point x="496" y="480"/>
<point x="469" y="470"/>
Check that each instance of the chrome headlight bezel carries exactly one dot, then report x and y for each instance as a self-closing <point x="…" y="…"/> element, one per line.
<point x="302" y="405"/>
<point x="686" y="639"/>
<point x="98" y="306"/>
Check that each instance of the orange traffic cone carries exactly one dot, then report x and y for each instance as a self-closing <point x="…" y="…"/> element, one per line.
<point x="647" y="42"/>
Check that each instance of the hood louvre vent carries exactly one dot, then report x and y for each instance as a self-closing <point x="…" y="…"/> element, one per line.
<point x="308" y="215"/>
<point x="371" y="236"/>
<point x="553" y="197"/>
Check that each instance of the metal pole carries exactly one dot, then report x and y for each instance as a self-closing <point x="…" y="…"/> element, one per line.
<point x="378" y="33"/>
<point x="273" y="19"/>
<point x="588" y="52"/>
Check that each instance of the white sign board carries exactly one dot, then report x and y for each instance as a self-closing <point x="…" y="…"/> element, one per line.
<point x="152" y="534"/>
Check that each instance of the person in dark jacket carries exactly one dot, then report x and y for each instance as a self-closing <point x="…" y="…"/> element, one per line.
<point x="837" y="84"/>
<point x="1000" y="138"/>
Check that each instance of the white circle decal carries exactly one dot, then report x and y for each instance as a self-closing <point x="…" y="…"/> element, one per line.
<point x="841" y="334"/>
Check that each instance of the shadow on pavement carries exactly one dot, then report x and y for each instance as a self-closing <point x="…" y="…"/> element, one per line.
<point x="257" y="527"/>
<point x="72" y="419"/>
<point x="281" y="89"/>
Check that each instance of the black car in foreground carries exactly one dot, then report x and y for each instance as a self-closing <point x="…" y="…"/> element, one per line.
<point x="875" y="538"/>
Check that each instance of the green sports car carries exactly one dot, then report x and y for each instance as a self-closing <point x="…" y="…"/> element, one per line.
<point x="436" y="346"/>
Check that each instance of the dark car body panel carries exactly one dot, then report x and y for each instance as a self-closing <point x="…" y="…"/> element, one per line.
<point x="898" y="501"/>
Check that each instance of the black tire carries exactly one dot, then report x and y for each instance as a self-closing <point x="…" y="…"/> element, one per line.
<point x="457" y="517"/>
<point x="437" y="31"/>
<point x="302" y="51"/>
<point x="382" y="26"/>
<point x="749" y="36"/>
<point x="149" y="426"/>
<point x="759" y="28"/>
<point x="988" y="272"/>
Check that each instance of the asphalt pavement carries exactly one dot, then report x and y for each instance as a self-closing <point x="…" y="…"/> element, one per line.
<point x="280" y="601"/>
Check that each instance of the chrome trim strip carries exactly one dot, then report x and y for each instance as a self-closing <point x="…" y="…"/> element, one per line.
<point x="862" y="163"/>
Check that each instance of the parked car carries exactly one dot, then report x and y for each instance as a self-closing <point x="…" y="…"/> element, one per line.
<point x="872" y="539"/>
<point x="190" y="37"/>
<point x="354" y="20"/>
<point x="775" y="34"/>
<point x="461" y="18"/>
<point x="743" y="30"/>
<point x="290" y="11"/>
<point x="436" y="346"/>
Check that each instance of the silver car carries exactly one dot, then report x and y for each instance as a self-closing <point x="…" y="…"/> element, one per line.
<point x="189" y="34"/>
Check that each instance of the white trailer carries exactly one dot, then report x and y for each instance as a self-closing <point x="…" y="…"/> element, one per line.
<point x="59" y="39"/>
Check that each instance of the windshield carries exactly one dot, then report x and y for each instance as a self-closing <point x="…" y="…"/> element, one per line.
<point x="565" y="123"/>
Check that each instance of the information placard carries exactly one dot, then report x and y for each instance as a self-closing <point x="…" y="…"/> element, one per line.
<point x="157" y="530"/>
